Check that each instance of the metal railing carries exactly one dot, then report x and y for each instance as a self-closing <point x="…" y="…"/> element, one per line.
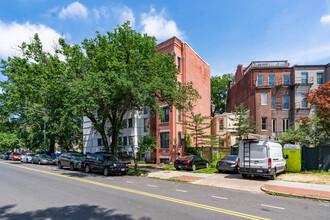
<point x="280" y="63"/>
<point x="302" y="105"/>
<point x="303" y="80"/>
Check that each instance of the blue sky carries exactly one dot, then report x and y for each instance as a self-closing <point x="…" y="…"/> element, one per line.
<point x="223" y="33"/>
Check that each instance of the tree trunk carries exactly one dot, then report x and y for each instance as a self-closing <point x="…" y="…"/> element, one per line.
<point x="101" y="129"/>
<point x="52" y="145"/>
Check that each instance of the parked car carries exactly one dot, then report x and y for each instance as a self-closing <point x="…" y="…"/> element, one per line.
<point x="72" y="160"/>
<point x="260" y="158"/>
<point x="5" y="156"/>
<point x="228" y="163"/>
<point x="42" y="159"/>
<point x="191" y="162"/>
<point x="126" y="158"/>
<point x="27" y="157"/>
<point x="106" y="163"/>
<point x="14" y="156"/>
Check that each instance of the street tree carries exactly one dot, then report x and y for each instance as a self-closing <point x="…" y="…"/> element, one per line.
<point x="219" y="88"/>
<point x="243" y="124"/>
<point x="37" y="82"/>
<point x="320" y="99"/>
<point x="121" y="71"/>
<point x="146" y="143"/>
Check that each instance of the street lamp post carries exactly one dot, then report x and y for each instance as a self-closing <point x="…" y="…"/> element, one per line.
<point x="44" y="112"/>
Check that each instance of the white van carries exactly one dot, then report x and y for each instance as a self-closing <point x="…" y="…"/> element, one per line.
<point x="260" y="158"/>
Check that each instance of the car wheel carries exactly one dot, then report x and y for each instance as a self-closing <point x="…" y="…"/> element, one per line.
<point x="59" y="165"/>
<point x="72" y="167"/>
<point x="178" y="168"/>
<point x="284" y="171"/>
<point x="193" y="167"/>
<point x="273" y="176"/>
<point x="244" y="175"/>
<point x="207" y="165"/>
<point x="220" y="171"/>
<point x="106" y="171"/>
<point x="87" y="169"/>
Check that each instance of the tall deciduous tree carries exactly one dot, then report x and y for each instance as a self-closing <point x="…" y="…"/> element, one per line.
<point x="219" y="88"/>
<point x="320" y="98"/>
<point x="120" y="71"/>
<point x="244" y="124"/>
<point x="38" y="81"/>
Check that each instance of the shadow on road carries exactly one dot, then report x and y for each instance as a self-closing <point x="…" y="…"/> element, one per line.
<point x="239" y="176"/>
<point x="66" y="212"/>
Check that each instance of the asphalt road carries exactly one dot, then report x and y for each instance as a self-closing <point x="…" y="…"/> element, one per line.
<point x="29" y="191"/>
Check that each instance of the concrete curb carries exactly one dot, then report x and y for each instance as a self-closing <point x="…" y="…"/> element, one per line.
<point x="295" y="195"/>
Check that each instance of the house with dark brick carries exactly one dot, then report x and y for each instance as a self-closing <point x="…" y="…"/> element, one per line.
<point x="264" y="88"/>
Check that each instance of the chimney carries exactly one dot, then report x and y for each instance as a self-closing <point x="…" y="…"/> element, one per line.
<point x="239" y="72"/>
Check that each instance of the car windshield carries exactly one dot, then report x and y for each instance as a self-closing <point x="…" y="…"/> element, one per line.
<point x="232" y="158"/>
<point x="45" y="156"/>
<point x="30" y="154"/>
<point x="110" y="158"/>
<point x="78" y="157"/>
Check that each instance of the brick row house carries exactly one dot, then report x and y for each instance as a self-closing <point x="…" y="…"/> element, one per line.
<point x="274" y="92"/>
<point x="170" y="138"/>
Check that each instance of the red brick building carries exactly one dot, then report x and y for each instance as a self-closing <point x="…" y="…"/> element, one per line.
<point x="264" y="88"/>
<point x="192" y="69"/>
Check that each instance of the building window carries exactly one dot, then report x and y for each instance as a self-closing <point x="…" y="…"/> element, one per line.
<point x="146" y="125"/>
<point x="179" y="115"/>
<point x="274" y="125"/>
<point x="165" y="140"/>
<point x="221" y="124"/>
<point x="164" y="161"/>
<point x="120" y="142"/>
<point x="166" y="115"/>
<point x="320" y="78"/>
<point x="264" y="124"/>
<point x="179" y="64"/>
<point x="285" y="125"/>
<point x="304" y="78"/>
<point x="286" y="80"/>
<point x="124" y="141"/>
<point x="271" y="80"/>
<point x="179" y="139"/>
<point x="259" y="81"/>
<point x="263" y="98"/>
<point x="273" y="102"/>
<point x="100" y="142"/>
<point x="303" y="102"/>
<point x="286" y="102"/>
<point x="130" y="122"/>
<point x="131" y="140"/>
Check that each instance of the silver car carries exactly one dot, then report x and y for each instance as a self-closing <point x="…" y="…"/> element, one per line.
<point x="27" y="158"/>
<point x="42" y="159"/>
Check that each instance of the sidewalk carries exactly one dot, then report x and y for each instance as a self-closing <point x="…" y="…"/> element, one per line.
<point x="306" y="190"/>
<point x="255" y="185"/>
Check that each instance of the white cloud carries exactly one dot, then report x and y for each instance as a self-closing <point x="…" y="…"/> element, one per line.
<point x="127" y="15"/>
<point x="74" y="11"/>
<point x="96" y="13"/>
<point x="14" y="34"/>
<point x="325" y="19"/>
<point x="155" y="24"/>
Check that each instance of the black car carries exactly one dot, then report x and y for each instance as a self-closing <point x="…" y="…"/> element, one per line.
<point x="228" y="163"/>
<point x="105" y="163"/>
<point x="191" y="163"/>
<point x="72" y="160"/>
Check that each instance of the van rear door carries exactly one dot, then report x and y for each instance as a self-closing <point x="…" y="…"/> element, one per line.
<point x="259" y="156"/>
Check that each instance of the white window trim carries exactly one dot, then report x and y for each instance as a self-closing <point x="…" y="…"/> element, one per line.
<point x="261" y="98"/>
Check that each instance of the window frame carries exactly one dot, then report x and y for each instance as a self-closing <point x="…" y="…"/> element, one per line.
<point x="130" y="122"/>
<point x="322" y="78"/>
<point x="273" y="80"/>
<point x="165" y="143"/>
<point x="284" y="80"/>
<point x="284" y="108"/>
<point x="166" y="111"/>
<point x="303" y="78"/>
<point x="259" y="81"/>
<point x="285" y="124"/>
<point x="274" y="127"/>
<point x="221" y="127"/>
<point x="263" y="98"/>
<point x="304" y="104"/>
<point x="263" y="123"/>
<point x="272" y="104"/>
<point x="100" y="142"/>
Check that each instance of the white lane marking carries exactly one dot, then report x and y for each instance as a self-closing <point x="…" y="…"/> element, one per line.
<point x="129" y="182"/>
<point x="218" y="197"/>
<point x="270" y="206"/>
<point x="179" y="190"/>
<point x="152" y="185"/>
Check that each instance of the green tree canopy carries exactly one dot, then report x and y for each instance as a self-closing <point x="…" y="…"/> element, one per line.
<point x="219" y="88"/>
<point x="117" y="72"/>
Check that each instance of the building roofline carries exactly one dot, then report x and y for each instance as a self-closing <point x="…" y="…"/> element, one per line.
<point x="317" y="65"/>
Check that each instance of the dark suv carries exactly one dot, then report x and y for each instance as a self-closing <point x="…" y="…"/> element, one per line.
<point x="105" y="163"/>
<point x="72" y="160"/>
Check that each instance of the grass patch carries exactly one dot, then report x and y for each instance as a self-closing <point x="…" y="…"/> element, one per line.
<point x="167" y="167"/>
<point x="318" y="172"/>
<point x="139" y="172"/>
<point x="171" y="180"/>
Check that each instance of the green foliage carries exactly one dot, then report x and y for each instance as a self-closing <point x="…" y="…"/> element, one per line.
<point x="216" y="158"/>
<point x="306" y="131"/>
<point x="243" y="124"/>
<point x="146" y="143"/>
<point x="219" y="88"/>
<point x="121" y="71"/>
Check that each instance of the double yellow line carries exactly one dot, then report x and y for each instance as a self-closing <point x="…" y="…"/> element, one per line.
<point x="193" y="204"/>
